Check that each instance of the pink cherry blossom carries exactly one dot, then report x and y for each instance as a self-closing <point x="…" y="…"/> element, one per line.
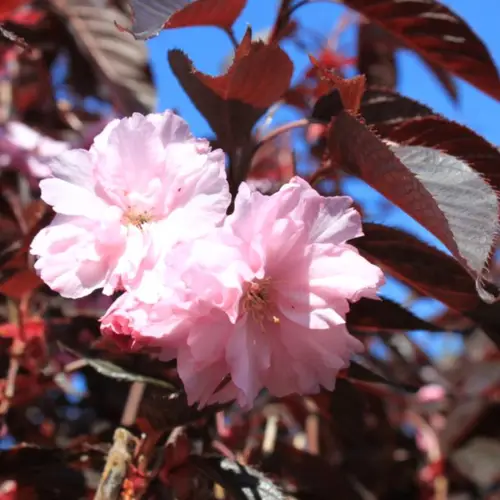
<point x="284" y="329"/>
<point x="431" y="393"/>
<point x="25" y="149"/>
<point x="145" y="184"/>
<point x="264" y="299"/>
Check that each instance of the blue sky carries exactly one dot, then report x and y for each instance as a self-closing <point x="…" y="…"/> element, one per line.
<point x="209" y="47"/>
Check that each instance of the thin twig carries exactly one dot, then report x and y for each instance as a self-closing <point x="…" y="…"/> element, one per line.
<point x="75" y="365"/>
<point x="232" y="37"/>
<point x="319" y="175"/>
<point x="303" y="122"/>
<point x="434" y="453"/>
<point x="134" y="399"/>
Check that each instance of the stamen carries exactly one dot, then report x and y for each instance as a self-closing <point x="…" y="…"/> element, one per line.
<point x="257" y="303"/>
<point x="138" y="219"/>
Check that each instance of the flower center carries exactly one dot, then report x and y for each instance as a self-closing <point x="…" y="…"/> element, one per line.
<point x="256" y="302"/>
<point x="135" y="218"/>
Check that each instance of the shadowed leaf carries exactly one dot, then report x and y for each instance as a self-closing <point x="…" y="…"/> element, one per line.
<point x="419" y="265"/>
<point x="357" y="371"/>
<point x="152" y="16"/>
<point x="430" y="272"/>
<point x="384" y="315"/>
<point x="233" y="102"/>
<point x="446" y="79"/>
<point x="164" y="409"/>
<point x="242" y="481"/>
<point x="119" y="61"/>
<point x="443" y="193"/>
<point x="350" y="89"/>
<point x="376" y="59"/>
<point x="23" y="459"/>
<point x="438" y="35"/>
<point x="111" y="370"/>
<point x="382" y="108"/>
<point x="376" y="56"/>
<point x="149" y="16"/>
<point x="17" y="277"/>
<point x="313" y="475"/>
<point x="219" y="13"/>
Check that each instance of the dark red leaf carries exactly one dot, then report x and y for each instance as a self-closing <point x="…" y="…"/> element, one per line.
<point x="424" y="268"/>
<point x="380" y="316"/>
<point x="282" y="20"/>
<point x="17" y="277"/>
<point x="298" y="96"/>
<point x="23" y="459"/>
<point x="376" y="60"/>
<point x="242" y="481"/>
<point x="315" y="477"/>
<point x="18" y="283"/>
<point x="383" y="108"/>
<point x="221" y="13"/>
<point x="358" y="372"/>
<point x="452" y="138"/>
<point x="8" y="7"/>
<point x="443" y="193"/>
<point x="274" y="161"/>
<point x="445" y="78"/>
<point x="151" y="16"/>
<point x="350" y="89"/>
<point x="119" y="61"/>
<point x="430" y="272"/>
<point x="438" y="35"/>
<point x="233" y="102"/>
<point x="376" y="56"/>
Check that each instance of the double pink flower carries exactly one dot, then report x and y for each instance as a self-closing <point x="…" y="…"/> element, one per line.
<point x="254" y="300"/>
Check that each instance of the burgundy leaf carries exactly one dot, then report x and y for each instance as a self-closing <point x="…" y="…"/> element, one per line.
<point x="220" y="13"/>
<point x="376" y="56"/>
<point x="152" y="16"/>
<point x="438" y="35"/>
<point x="424" y="268"/>
<point x="445" y="194"/>
<point x="233" y="102"/>
<point x="383" y="108"/>
<point x="120" y="62"/>
<point x="450" y="137"/>
<point x="380" y="316"/>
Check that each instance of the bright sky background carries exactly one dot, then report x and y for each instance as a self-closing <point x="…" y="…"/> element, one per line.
<point x="208" y="48"/>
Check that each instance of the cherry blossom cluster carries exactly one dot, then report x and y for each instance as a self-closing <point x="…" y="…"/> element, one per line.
<point x="248" y="301"/>
<point x="24" y="149"/>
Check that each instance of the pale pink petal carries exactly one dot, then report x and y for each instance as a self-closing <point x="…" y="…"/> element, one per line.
<point x="342" y="272"/>
<point x="330" y="219"/>
<point x="71" y="199"/>
<point x="200" y="380"/>
<point x="207" y="339"/>
<point x="74" y="166"/>
<point x="248" y="354"/>
<point x="307" y="359"/>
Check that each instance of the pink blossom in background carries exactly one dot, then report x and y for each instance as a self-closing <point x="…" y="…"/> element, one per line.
<point x="431" y="393"/>
<point x="86" y="139"/>
<point x="25" y="149"/>
<point x="272" y="165"/>
<point x="262" y="299"/>
<point x="145" y="184"/>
